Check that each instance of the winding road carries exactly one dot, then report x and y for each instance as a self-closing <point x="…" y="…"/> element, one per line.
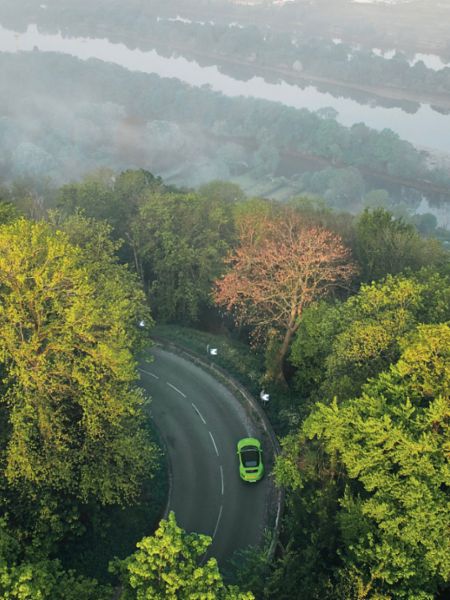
<point x="201" y="422"/>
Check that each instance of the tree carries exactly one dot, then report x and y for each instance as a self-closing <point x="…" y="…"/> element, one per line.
<point x="426" y="223"/>
<point x="38" y="578"/>
<point x="370" y="326"/>
<point x="168" y="566"/>
<point x="94" y="195"/>
<point x="345" y="188"/>
<point x="310" y="348"/>
<point x="250" y="567"/>
<point x="46" y="580"/>
<point x="339" y="346"/>
<point x="115" y="199"/>
<point x="185" y="239"/>
<point x="389" y="449"/>
<point x="222" y="191"/>
<point x="279" y="268"/>
<point x="385" y="245"/>
<point x="377" y="198"/>
<point x="73" y="416"/>
<point x="101" y="256"/>
<point x="8" y="212"/>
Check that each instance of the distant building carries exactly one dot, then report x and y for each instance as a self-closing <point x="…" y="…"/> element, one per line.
<point x="256" y="2"/>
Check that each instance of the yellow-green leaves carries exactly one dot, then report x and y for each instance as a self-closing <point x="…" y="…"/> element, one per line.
<point x="392" y="446"/>
<point x="67" y="316"/>
<point x="45" y="580"/>
<point x="170" y="566"/>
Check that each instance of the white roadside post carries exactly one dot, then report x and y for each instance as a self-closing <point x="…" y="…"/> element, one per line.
<point x="211" y="351"/>
<point x="264" y="397"/>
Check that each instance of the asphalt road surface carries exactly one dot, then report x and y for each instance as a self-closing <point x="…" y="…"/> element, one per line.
<point x="201" y="422"/>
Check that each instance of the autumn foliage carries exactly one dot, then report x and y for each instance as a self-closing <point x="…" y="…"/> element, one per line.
<point x="280" y="267"/>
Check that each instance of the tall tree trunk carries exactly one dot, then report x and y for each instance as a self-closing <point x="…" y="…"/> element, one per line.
<point x="276" y="372"/>
<point x="137" y="260"/>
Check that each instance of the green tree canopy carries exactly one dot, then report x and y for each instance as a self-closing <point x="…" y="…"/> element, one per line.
<point x="70" y="406"/>
<point x="338" y="347"/>
<point x="116" y="199"/>
<point x="391" y="448"/>
<point x="41" y="579"/>
<point x="168" y="566"/>
<point x="8" y="212"/>
<point x="185" y="239"/>
<point x="386" y="245"/>
<point x="46" y="580"/>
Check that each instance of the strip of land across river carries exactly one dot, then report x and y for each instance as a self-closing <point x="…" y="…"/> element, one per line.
<point x="290" y="75"/>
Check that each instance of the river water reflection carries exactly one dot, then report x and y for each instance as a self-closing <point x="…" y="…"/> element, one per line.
<point x="425" y="128"/>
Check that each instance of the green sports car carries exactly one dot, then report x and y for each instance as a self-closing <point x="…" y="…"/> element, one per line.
<point x="251" y="466"/>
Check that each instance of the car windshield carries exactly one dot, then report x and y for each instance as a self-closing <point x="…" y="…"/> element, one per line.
<point x="250" y="457"/>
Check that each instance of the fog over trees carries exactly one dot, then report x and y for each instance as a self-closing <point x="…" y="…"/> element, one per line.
<point x="268" y="178"/>
<point x="75" y="116"/>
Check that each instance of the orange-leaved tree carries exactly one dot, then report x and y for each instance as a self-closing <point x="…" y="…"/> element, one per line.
<point x="280" y="267"/>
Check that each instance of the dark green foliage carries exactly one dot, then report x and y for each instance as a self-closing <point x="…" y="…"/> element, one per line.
<point x="185" y="238"/>
<point x="176" y="242"/>
<point x="374" y="470"/>
<point x="311" y="347"/>
<point x="40" y="578"/>
<point x="116" y="200"/>
<point x="110" y="197"/>
<point x="250" y="567"/>
<point x="221" y="192"/>
<point x="36" y="577"/>
<point x="8" y="212"/>
<point x="113" y="531"/>
<point x="386" y="245"/>
<point x="338" y="347"/>
<point x="46" y="580"/>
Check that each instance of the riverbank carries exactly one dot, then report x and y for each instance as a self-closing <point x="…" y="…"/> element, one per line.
<point x="304" y="78"/>
<point x="423" y="126"/>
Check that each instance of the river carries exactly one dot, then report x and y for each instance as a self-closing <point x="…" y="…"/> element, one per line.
<point x="425" y="128"/>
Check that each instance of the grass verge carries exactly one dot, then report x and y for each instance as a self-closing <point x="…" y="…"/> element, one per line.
<point x="240" y="361"/>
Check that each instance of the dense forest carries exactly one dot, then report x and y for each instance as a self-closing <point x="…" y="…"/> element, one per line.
<point x="349" y="317"/>
<point x="140" y="213"/>
<point x="81" y="467"/>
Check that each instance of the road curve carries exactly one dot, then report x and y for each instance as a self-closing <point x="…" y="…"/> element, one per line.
<point x="201" y="422"/>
